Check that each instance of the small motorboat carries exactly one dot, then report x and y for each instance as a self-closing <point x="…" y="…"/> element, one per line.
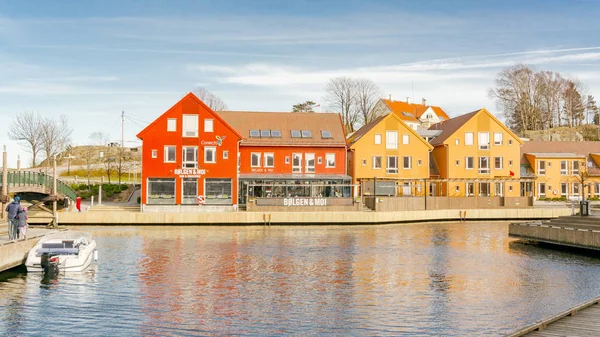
<point x="62" y="251"/>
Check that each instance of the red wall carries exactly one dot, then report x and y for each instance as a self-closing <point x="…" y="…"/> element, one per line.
<point x="281" y="152"/>
<point x="155" y="137"/>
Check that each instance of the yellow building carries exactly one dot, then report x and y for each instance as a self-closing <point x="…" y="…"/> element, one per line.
<point x="388" y="150"/>
<point x="560" y="167"/>
<point x="476" y="155"/>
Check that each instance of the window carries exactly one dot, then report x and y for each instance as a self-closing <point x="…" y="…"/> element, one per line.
<point x="217" y="191"/>
<point x="510" y="142"/>
<point x="596" y="189"/>
<point x="319" y="160"/>
<point x="190" y="190"/>
<point x="377" y="162"/>
<point x="255" y="159"/>
<point x="225" y="154"/>
<point x="499" y="189"/>
<point x="297" y="162"/>
<point x="377" y="139"/>
<point x="564" y="167"/>
<point x="364" y="162"/>
<point x="419" y="162"/>
<point x="210" y="154"/>
<point x="190" y="125"/>
<point x="254" y="133"/>
<point x="575" y="189"/>
<point x="510" y="188"/>
<point x="564" y="190"/>
<point x="275" y="133"/>
<point x="484" y="165"/>
<point x="510" y="163"/>
<point x="575" y="170"/>
<point x="310" y="162"/>
<point x="406" y="163"/>
<point x="469" y="163"/>
<point x="497" y="138"/>
<point x="405" y="139"/>
<point x="208" y="125"/>
<point x="306" y="134"/>
<point x="190" y="157"/>
<point x="171" y="124"/>
<point x="265" y="133"/>
<point x="330" y="160"/>
<point x="457" y="188"/>
<point x="542" y="189"/>
<point x="391" y="139"/>
<point x="269" y="159"/>
<point x="484" y="140"/>
<point x="470" y="189"/>
<point x="392" y="164"/>
<point x="468" y="138"/>
<point x="161" y="191"/>
<point x="154" y="153"/>
<point x="287" y="159"/>
<point x="541" y="167"/>
<point x="549" y="164"/>
<point x="456" y="142"/>
<point x="169" y="154"/>
<point x="296" y="134"/>
<point x="498" y="163"/>
<point x="484" y="189"/>
<point x="457" y="162"/>
<point x="326" y="134"/>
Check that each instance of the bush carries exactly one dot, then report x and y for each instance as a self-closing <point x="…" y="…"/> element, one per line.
<point x="83" y="187"/>
<point x="124" y="187"/>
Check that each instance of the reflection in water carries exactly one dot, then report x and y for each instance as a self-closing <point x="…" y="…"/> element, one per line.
<point x="425" y="279"/>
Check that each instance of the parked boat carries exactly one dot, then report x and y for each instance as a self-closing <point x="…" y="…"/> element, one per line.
<point x="62" y="251"/>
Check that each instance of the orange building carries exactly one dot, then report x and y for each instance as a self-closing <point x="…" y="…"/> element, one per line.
<point x="189" y="157"/>
<point x="417" y="116"/>
<point x="284" y="154"/>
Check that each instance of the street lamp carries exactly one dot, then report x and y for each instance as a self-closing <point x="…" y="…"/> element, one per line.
<point x="69" y="157"/>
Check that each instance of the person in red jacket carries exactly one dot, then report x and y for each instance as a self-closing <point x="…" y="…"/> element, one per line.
<point x="78" y="204"/>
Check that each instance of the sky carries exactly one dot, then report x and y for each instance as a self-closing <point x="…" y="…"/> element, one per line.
<point x="92" y="60"/>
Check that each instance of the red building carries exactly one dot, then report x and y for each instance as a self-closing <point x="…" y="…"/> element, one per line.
<point x="285" y="154"/>
<point x="189" y="157"/>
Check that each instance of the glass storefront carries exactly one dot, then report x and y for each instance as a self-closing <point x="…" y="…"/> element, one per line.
<point x="161" y="191"/>
<point x="190" y="190"/>
<point x="218" y="191"/>
<point x="293" y="189"/>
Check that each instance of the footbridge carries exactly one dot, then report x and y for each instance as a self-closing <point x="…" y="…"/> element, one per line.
<point x="37" y="182"/>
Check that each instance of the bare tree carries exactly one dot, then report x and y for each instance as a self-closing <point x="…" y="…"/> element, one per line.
<point x="99" y="138"/>
<point x="210" y="99"/>
<point x="366" y="97"/>
<point x="109" y="160"/>
<point x="573" y="106"/>
<point x="26" y="129"/>
<point x="56" y="136"/>
<point x="89" y="158"/>
<point x="341" y="96"/>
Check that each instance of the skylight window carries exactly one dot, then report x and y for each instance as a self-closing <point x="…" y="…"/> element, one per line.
<point x="254" y="133"/>
<point x="407" y="114"/>
<point x="295" y="133"/>
<point x="265" y="133"/>
<point x="326" y="134"/>
<point x="275" y="133"/>
<point x="306" y="134"/>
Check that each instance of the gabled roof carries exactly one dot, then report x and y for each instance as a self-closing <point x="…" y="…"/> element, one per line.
<point x="452" y="125"/>
<point x="415" y="110"/>
<point x="550" y="149"/>
<point x="244" y="121"/>
<point x="190" y="95"/>
<point x="366" y="128"/>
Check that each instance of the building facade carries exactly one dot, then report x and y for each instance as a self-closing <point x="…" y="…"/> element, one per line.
<point x="416" y="116"/>
<point x="476" y="155"/>
<point x="389" y="151"/>
<point x="189" y="159"/>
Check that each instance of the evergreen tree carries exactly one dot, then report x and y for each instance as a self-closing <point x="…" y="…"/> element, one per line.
<point x="307" y="106"/>
<point x="591" y="110"/>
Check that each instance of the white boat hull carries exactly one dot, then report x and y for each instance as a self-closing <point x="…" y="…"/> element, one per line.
<point x="71" y="262"/>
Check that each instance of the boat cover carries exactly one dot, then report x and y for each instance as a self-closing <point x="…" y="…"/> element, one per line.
<point x="58" y="251"/>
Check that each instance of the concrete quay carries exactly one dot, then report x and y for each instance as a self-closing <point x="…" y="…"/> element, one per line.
<point x="570" y="231"/>
<point x="14" y="253"/>
<point x="243" y="218"/>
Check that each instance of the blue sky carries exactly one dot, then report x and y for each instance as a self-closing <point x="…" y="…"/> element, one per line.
<point x="90" y="60"/>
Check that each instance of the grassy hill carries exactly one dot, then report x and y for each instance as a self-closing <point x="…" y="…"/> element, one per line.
<point x="577" y="133"/>
<point x="80" y="154"/>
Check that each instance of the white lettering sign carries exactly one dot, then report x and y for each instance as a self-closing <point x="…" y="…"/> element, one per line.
<point x="190" y="173"/>
<point x="304" y="202"/>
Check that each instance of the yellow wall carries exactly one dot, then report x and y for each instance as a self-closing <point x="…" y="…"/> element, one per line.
<point x="553" y="177"/>
<point x="365" y="149"/>
<point x="480" y="122"/>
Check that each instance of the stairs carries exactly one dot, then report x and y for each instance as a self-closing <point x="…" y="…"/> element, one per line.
<point x="576" y="222"/>
<point x="102" y="208"/>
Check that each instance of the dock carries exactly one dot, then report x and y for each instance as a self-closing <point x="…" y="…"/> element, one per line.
<point x="581" y="320"/>
<point x="14" y="253"/>
<point x="570" y="231"/>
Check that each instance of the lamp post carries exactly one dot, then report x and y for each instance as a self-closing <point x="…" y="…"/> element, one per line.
<point x="69" y="157"/>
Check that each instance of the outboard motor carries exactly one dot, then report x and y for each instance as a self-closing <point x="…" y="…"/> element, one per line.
<point x="49" y="263"/>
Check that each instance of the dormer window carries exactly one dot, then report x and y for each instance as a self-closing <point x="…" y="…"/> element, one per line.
<point x="326" y="134"/>
<point x="275" y="133"/>
<point x="254" y="133"/>
<point x="296" y="134"/>
<point x="265" y="133"/>
<point x="306" y="134"/>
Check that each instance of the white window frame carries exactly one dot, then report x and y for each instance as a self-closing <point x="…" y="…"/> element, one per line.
<point x="258" y="156"/>
<point x="374" y="158"/>
<point x="389" y="169"/>
<point x="405" y="139"/>
<point x="564" y="171"/>
<point x="209" y="125"/>
<point x="266" y="157"/>
<point x="166" y="153"/>
<point x="469" y="138"/>
<point x="391" y="140"/>
<point x="499" y="189"/>
<point x="190" y="126"/>
<point x="564" y="190"/>
<point x="541" y="171"/>
<point x="308" y="157"/>
<point x="472" y="192"/>
<point x="297" y="168"/>
<point x="377" y="139"/>
<point x="542" y="195"/>
<point x="501" y="167"/>
<point x="154" y="153"/>
<point x="488" y="189"/>
<point x="457" y="142"/>
<point x="212" y="149"/>
<point x="576" y="190"/>
<point x="225" y="154"/>
<point x="483" y="140"/>
<point x="498" y="138"/>
<point x="185" y="162"/>
<point x="467" y="163"/>
<point x="329" y="157"/>
<point x="171" y="124"/>
<point x="482" y="169"/>
<point x="575" y="171"/>
<point x="409" y="163"/>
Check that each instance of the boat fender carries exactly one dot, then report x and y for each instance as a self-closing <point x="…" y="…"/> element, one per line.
<point x="95" y="254"/>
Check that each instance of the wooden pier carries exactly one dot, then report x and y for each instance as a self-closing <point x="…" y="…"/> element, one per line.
<point x="581" y="320"/>
<point x="14" y="253"/>
<point x="570" y="231"/>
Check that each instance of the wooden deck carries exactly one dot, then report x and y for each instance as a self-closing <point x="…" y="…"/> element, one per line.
<point x="582" y="320"/>
<point x="571" y="231"/>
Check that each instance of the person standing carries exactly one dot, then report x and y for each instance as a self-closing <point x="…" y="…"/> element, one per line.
<point x="22" y="224"/>
<point x="78" y="204"/>
<point x="13" y="209"/>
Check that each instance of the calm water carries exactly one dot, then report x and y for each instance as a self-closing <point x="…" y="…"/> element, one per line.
<point x="425" y="279"/>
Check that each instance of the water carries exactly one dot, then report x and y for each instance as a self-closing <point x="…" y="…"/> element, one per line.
<point x="424" y="279"/>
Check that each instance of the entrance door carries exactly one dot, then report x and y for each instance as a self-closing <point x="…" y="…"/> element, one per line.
<point x="190" y="191"/>
<point x="406" y="190"/>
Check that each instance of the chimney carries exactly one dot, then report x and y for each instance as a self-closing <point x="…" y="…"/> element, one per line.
<point x="424" y="102"/>
<point x="407" y="99"/>
<point x="390" y="97"/>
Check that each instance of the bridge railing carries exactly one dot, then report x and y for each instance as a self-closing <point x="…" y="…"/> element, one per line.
<point x="28" y="178"/>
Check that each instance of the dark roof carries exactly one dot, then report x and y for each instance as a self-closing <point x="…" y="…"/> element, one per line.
<point x="539" y="148"/>
<point x="363" y="130"/>
<point x="449" y="127"/>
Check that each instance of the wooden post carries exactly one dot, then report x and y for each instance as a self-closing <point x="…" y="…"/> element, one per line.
<point x="54" y="191"/>
<point x="4" y="181"/>
<point x="100" y="191"/>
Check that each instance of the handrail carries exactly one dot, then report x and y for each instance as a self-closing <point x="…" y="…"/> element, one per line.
<point x="27" y="178"/>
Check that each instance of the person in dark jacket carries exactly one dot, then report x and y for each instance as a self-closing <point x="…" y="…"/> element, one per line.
<point x="13" y="209"/>
<point x="22" y="224"/>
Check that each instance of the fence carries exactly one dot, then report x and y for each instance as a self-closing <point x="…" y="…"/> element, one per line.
<point x="35" y="179"/>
